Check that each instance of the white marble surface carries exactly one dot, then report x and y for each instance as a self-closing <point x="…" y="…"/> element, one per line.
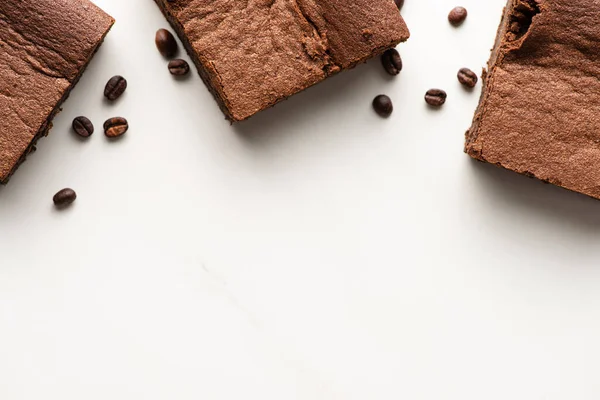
<point x="314" y="252"/>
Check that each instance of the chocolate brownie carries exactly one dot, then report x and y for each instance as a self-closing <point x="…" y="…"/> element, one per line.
<point x="45" y="46"/>
<point x="539" y="113"/>
<point x="254" y="54"/>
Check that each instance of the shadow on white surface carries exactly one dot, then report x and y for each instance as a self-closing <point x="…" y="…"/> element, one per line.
<point x="179" y="79"/>
<point x="10" y="192"/>
<point x="314" y="104"/>
<point x="530" y="195"/>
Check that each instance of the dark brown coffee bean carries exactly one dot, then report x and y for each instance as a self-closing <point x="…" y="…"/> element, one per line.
<point x="467" y="77"/>
<point x="383" y="105"/>
<point x="179" y="67"/>
<point x="399" y="3"/>
<point x="115" y="127"/>
<point x="166" y="44"/>
<point x="64" y="198"/>
<point x="83" y="127"/>
<point x="457" y="16"/>
<point x="115" y="87"/>
<point x="435" y="97"/>
<point x="392" y="62"/>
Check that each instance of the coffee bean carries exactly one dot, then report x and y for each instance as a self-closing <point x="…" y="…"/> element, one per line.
<point x="83" y="127"/>
<point x="383" y="105"/>
<point x="165" y="42"/>
<point x="435" y="97"/>
<point x="115" y="127"/>
<point x="179" y="67"/>
<point x="392" y="62"/>
<point x="457" y="16"/>
<point x="64" y="198"/>
<point x="399" y="3"/>
<point x="115" y="87"/>
<point x="467" y="77"/>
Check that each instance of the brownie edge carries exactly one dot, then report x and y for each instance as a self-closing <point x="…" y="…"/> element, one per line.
<point x="46" y="46"/>
<point x="499" y="50"/>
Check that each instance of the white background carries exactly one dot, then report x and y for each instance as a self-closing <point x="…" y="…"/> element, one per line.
<point x="314" y="252"/>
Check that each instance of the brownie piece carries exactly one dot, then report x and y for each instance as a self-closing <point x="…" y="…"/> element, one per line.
<point x="254" y="54"/>
<point x="45" y="46"/>
<point x="539" y="113"/>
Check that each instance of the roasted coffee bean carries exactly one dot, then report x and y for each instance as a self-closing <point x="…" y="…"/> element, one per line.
<point x="165" y="42"/>
<point x="115" y="87"/>
<point x="383" y="106"/>
<point x="64" y="198"/>
<point x="467" y="77"/>
<point x="392" y="62"/>
<point x="83" y="127"/>
<point x="399" y="3"/>
<point x="457" y="16"/>
<point x="435" y="97"/>
<point x="115" y="127"/>
<point x="179" y="67"/>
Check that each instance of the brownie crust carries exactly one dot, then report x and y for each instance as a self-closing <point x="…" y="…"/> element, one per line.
<point x="539" y="113"/>
<point x="253" y="55"/>
<point x="45" y="46"/>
